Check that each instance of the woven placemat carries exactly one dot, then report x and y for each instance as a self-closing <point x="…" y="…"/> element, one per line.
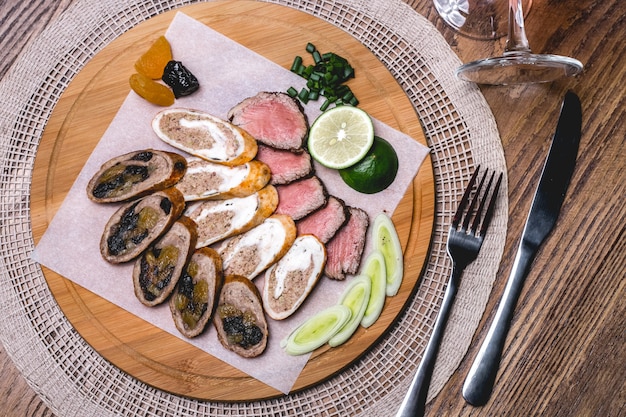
<point x="74" y="380"/>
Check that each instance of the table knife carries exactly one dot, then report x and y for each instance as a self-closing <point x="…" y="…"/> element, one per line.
<point x="549" y="196"/>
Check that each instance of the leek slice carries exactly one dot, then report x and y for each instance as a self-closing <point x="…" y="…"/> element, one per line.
<point x="385" y="239"/>
<point x="317" y="330"/>
<point x="374" y="267"/>
<point x="356" y="297"/>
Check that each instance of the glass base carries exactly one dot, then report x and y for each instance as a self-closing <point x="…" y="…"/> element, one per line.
<point x="478" y="19"/>
<point x="519" y="68"/>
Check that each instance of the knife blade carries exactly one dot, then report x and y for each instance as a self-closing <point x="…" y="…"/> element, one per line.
<point x="555" y="178"/>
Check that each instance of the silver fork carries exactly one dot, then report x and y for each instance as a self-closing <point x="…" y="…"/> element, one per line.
<point x="463" y="245"/>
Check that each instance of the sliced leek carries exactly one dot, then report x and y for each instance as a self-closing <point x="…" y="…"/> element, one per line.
<point x="374" y="267"/>
<point x="317" y="330"/>
<point x="356" y="297"/>
<point x="385" y="239"/>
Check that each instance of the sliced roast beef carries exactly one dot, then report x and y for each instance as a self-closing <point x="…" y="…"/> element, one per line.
<point x="324" y="222"/>
<point x="286" y="166"/>
<point x="301" y="197"/>
<point x="275" y="119"/>
<point x="346" y="248"/>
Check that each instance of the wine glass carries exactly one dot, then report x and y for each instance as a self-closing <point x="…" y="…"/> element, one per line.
<point x="477" y="19"/>
<point x="518" y="64"/>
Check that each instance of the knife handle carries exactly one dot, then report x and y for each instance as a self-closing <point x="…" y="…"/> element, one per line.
<point x="482" y="375"/>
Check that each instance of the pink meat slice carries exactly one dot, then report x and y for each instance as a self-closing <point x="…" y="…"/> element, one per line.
<point x="324" y="222"/>
<point x="273" y="118"/>
<point x="285" y="166"/>
<point x="344" y="251"/>
<point x="301" y="197"/>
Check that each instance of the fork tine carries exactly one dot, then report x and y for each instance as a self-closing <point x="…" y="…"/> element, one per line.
<point x="490" y="208"/>
<point x="468" y="216"/>
<point x="483" y="201"/>
<point x="461" y="208"/>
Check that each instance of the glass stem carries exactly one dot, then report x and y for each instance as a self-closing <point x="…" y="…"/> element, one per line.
<point x="516" y="42"/>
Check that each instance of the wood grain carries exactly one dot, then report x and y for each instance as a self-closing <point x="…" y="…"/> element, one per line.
<point x="566" y="352"/>
<point x="144" y="351"/>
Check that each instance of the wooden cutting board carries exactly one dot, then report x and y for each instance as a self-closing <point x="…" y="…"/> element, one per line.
<point x="86" y="109"/>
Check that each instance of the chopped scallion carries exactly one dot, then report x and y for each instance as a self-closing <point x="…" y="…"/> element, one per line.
<point x="326" y="77"/>
<point x="292" y="92"/>
<point x="297" y="63"/>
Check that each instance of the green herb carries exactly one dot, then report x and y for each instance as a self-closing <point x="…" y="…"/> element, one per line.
<point x="325" y="77"/>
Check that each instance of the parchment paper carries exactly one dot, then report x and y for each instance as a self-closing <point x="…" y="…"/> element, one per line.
<point x="221" y="88"/>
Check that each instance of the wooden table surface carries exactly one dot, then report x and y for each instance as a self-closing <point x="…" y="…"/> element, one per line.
<point x="566" y="352"/>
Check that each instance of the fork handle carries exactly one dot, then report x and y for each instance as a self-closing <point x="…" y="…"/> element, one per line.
<point x="414" y="402"/>
<point x="482" y="375"/>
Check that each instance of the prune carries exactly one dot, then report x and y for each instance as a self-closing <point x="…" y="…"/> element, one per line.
<point x="185" y="286"/>
<point x="180" y="79"/>
<point x="118" y="239"/>
<point x="118" y="178"/>
<point x="157" y="267"/>
<point x="166" y="205"/>
<point x="252" y="335"/>
<point x="144" y="156"/>
<point x="116" y="244"/>
<point x="188" y="300"/>
<point x="242" y="332"/>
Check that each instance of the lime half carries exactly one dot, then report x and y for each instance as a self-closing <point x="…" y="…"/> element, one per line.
<point x="341" y="136"/>
<point x="375" y="171"/>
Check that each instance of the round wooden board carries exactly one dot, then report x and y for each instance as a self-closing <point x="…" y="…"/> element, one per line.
<point x="86" y="109"/>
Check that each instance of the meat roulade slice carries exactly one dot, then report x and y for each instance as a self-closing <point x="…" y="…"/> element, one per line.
<point x="206" y="180"/>
<point x="220" y="219"/>
<point x="135" y="174"/>
<point x="290" y="280"/>
<point x="250" y="253"/>
<point x="240" y="320"/>
<point x="136" y="224"/>
<point x="160" y="266"/>
<point x="205" y="136"/>
<point x="195" y="297"/>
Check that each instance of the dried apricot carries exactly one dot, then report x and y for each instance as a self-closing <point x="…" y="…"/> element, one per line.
<point x="151" y="90"/>
<point x="154" y="60"/>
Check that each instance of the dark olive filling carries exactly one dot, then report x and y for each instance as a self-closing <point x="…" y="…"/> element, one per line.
<point x="132" y="229"/>
<point x="180" y="166"/>
<point x="192" y="299"/>
<point x="166" y="205"/>
<point x="143" y="156"/>
<point x="240" y="327"/>
<point x="118" y="179"/>
<point x="156" y="270"/>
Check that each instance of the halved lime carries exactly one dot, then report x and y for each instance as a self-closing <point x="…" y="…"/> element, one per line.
<point x="341" y="136"/>
<point x="375" y="171"/>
